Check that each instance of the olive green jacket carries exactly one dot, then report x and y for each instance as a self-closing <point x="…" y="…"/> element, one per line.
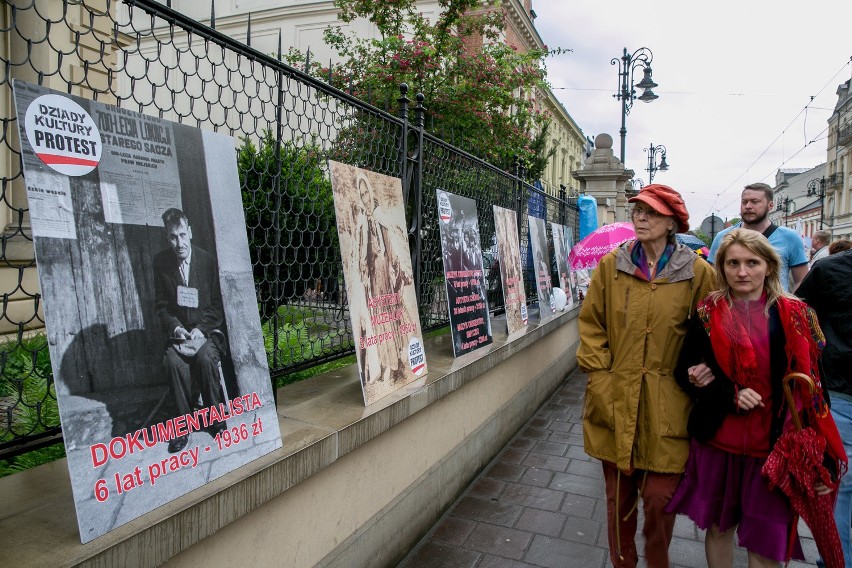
<point x="631" y="332"/>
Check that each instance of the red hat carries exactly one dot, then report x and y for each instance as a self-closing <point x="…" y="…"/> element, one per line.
<point x="666" y="201"/>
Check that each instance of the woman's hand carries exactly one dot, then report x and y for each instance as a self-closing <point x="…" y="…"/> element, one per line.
<point x="822" y="489"/>
<point x="748" y="399"/>
<point x="700" y="375"/>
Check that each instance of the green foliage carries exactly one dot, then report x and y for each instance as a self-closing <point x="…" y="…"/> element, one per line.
<point x="474" y="84"/>
<point x="289" y="211"/>
<point x="27" y="400"/>
<point x="703" y="236"/>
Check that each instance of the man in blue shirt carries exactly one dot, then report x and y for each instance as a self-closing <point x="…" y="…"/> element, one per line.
<point x="754" y="211"/>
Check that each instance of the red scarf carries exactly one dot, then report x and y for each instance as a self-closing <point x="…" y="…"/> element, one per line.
<point x="804" y="341"/>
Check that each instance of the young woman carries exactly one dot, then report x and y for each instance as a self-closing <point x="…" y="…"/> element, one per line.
<point x="748" y="335"/>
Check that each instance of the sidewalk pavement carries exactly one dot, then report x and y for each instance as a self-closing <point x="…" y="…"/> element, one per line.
<point x="540" y="503"/>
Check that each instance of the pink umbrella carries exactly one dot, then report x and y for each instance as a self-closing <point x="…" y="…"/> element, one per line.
<point x="589" y="251"/>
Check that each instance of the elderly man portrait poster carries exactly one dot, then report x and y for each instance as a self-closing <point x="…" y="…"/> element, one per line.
<point x="157" y="354"/>
<point x="379" y="279"/>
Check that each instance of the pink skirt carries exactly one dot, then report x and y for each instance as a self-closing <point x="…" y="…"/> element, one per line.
<point x="727" y="490"/>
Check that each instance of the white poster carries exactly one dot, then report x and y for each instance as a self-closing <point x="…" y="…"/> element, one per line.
<point x="151" y="315"/>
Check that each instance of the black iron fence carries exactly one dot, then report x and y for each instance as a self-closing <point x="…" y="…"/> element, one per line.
<point x="146" y="57"/>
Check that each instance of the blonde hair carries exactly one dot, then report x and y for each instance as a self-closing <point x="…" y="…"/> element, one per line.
<point x="759" y="245"/>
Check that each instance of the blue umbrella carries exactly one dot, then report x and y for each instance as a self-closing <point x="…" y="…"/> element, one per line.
<point x="691" y="241"/>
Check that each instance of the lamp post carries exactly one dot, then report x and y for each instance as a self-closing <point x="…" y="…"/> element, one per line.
<point x="816" y="188"/>
<point x="653" y="152"/>
<point x="627" y="65"/>
<point x="784" y="205"/>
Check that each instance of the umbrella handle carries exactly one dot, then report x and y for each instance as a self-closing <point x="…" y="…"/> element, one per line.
<point x="788" y="394"/>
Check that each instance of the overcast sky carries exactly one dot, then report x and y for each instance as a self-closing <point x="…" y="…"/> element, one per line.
<point x="735" y="85"/>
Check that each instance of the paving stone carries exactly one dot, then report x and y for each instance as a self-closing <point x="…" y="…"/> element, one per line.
<point x="563" y="437"/>
<point x="538" y="423"/>
<point x="487" y="511"/>
<point x="557" y="553"/>
<point x="545" y="461"/>
<point x="534" y="433"/>
<point x="585" y="468"/>
<point x="436" y="555"/>
<point x="688" y="553"/>
<point x="512" y="456"/>
<point x="522" y="444"/>
<point x="582" y="530"/>
<point x="453" y="530"/>
<point x="684" y="527"/>
<point x="528" y="496"/>
<point x="579" y="484"/>
<point x="486" y="488"/>
<point x="541" y="522"/>
<point x="578" y="453"/>
<point x="499" y="541"/>
<point x="560" y="425"/>
<point x="550" y="448"/>
<point x="536" y="477"/>
<point x="497" y="562"/>
<point x="580" y="506"/>
<point x="505" y="471"/>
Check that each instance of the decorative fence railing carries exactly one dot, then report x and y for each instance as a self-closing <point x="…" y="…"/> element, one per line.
<point x="146" y="57"/>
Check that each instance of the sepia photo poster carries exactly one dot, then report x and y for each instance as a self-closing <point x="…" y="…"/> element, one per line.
<point x="509" y="257"/>
<point x="463" y="274"/>
<point x="541" y="268"/>
<point x="561" y="249"/>
<point x="379" y="279"/>
<point x="151" y="315"/>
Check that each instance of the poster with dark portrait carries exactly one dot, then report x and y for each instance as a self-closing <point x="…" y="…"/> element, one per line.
<point x="561" y="248"/>
<point x="541" y="268"/>
<point x="509" y="257"/>
<point x="463" y="272"/>
<point x="151" y="315"/>
<point x="379" y="279"/>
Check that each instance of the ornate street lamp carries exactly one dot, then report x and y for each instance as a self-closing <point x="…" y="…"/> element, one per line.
<point x="784" y="205"/>
<point x="653" y="152"/>
<point x="627" y="65"/>
<point x="816" y="188"/>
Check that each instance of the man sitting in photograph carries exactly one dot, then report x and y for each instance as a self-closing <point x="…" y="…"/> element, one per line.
<point x="189" y="308"/>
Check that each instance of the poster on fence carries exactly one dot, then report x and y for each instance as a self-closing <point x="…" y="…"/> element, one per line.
<point x="541" y="268"/>
<point x="379" y="279"/>
<point x="150" y="310"/>
<point x="509" y="257"/>
<point x="561" y="248"/>
<point x="463" y="274"/>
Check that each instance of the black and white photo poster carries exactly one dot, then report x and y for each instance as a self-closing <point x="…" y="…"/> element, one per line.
<point x="151" y="313"/>
<point x="463" y="274"/>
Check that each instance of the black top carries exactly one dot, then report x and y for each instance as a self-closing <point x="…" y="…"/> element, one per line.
<point x="827" y="288"/>
<point x="716" y="400"/>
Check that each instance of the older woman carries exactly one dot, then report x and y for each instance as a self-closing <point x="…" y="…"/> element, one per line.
<point x="632" y="325"/>
<point x="748" y="335"/>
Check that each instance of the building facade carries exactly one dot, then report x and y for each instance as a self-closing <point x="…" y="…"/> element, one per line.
<point x="838" y="189"/>
<point x="797" y="204"/>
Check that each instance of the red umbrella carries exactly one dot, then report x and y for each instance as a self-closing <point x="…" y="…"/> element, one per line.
<point x="795" y="466"/>
<point x="589" y="251"/>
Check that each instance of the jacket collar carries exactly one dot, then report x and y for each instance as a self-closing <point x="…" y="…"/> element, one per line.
<point x="679" y="267"/>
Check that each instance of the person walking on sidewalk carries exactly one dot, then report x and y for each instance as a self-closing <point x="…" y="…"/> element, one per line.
<point x="828" y="290"/>
<point x="632" y="324"/>
<point x="755" y="205"/>
<point x="746" y="337"/>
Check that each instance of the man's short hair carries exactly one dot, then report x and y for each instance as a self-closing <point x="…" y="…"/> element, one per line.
<point x="765" y="188"/>
<point x="173" y="217"/>
<point x="823" y="236"/>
